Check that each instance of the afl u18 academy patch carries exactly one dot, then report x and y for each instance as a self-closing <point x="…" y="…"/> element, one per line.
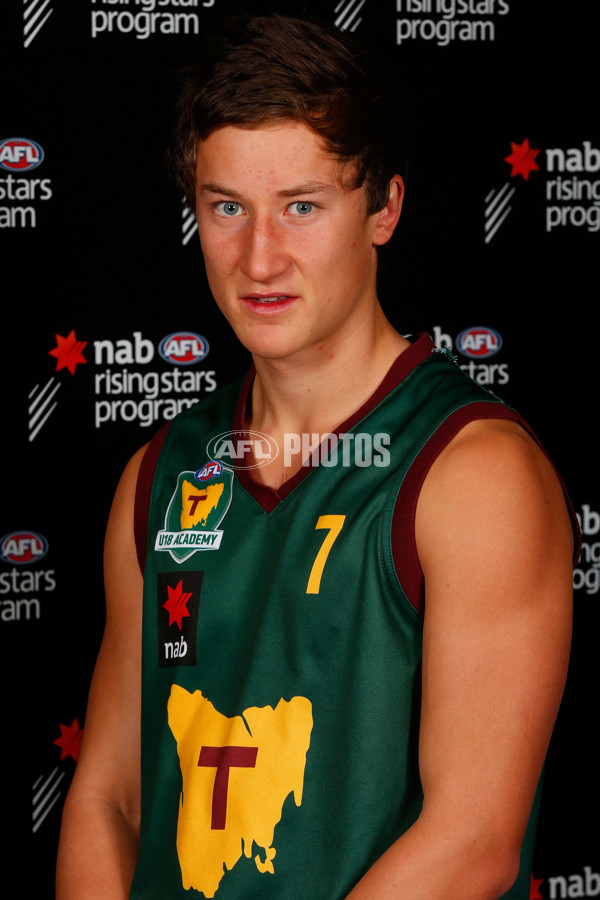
<point x="197" y="508"/>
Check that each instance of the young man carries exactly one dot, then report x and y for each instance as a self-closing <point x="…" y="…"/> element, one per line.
<point x="350" y="663"/>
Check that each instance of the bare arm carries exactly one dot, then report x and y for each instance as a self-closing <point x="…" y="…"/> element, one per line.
<point x="100" y="826"/>
<point x="495" y="543"/>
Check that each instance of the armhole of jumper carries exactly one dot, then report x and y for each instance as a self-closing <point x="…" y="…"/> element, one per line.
<point x="143" y="491"/>
<point x="404" y="546"/>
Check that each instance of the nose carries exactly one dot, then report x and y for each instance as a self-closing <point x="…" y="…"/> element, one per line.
<point x="264" y="256"/>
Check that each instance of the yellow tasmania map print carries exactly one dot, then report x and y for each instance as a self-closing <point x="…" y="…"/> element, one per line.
<point x="237" y="773"/>
<point x="196" y="505"/>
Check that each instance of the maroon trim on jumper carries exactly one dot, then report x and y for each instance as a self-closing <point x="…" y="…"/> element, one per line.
<point x="143" y="489"/>
<point x="268" y="497"/>
<point x="404" y="547"/>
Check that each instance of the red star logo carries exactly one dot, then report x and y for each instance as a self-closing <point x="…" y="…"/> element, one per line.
<point x="534" y="890"/>
<point x="70" y="740"/>
<point x="68" y="352"/>
<point x="177" y="604"/>
<point x="522" y="159"/>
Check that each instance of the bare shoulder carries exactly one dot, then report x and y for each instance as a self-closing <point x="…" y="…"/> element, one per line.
<point x="121" y="514"/>
<point x="496" y="447"/>
<point x="120" y="557"/>
<point x="494" y="494"/>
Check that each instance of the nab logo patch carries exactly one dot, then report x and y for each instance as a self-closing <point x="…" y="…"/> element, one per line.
<point x="23" y="547"/>
<point x="183" y="348"/>
<point x="478" y="342"/>
<point x="178" y="602"/>
<point x="197" y="508"/>
<point x="20" y="154"/>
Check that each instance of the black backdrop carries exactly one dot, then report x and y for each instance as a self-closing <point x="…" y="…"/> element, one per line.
<point x="496" y="256"/>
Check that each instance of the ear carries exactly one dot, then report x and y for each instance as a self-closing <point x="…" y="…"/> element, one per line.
<point x="387" y="218"/>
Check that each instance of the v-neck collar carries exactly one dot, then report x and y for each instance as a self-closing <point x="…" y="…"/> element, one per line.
<point x="268" y="497"/>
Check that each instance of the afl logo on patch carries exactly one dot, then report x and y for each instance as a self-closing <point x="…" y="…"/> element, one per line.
<point x="478" y="342"/>
<point x="23" y="547"/>
<point x="183" y="348"/>
<point x="209" y="471"/>
<point x="20" y="154"/>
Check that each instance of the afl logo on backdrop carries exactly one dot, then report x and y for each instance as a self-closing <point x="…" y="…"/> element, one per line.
<point x="20" y="154"/>
<point x="183" y="348"/>
<point x="478" y="342"/>
<point x="23" y="547"/>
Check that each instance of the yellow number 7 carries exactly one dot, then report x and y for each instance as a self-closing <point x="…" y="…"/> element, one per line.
<point x="334" y="525"/>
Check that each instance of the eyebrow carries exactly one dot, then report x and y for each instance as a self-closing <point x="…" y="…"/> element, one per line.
<point x="309" y="187"/>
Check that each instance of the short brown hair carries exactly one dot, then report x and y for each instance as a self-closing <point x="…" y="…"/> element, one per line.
<point x="263" y="69"/>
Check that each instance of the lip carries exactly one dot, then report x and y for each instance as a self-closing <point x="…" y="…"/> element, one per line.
<point x="268" y="303"/>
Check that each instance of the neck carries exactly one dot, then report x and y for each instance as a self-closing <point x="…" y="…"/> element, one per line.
<point x="320" y="388"/>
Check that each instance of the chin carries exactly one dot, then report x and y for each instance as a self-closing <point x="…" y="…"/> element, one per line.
<point x="271" y="349"/>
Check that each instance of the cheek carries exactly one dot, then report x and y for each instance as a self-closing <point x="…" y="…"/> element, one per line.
<point x="219" y="253"/>
<point x="334" y="248"/>
<point x="356" y="251"/>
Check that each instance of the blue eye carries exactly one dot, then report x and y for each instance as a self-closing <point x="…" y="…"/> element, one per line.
<point x="229" y="208"/>
<point x="303" y="207"/>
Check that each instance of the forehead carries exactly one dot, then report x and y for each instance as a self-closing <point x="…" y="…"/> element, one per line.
<point x="271" y="156"/>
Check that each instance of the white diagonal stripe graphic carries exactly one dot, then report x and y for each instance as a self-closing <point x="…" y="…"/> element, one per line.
<point x="190" y="225"/>
<point x="497" y="210"/>
<point x="32" y="18"/>
<point x="500" y="205"/>
<point x="38" y="397"/>
<point x="347" y="14"/>
<point x="497" y="196"/>
<point x="39" y="405"/>
<point x="45" y="796"/>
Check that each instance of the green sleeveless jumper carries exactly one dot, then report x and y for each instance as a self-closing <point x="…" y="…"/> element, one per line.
<point x="282" y="649"/>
